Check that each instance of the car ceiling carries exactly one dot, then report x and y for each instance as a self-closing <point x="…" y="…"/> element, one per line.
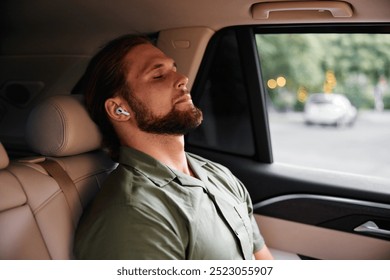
<point x="72" y="26"/>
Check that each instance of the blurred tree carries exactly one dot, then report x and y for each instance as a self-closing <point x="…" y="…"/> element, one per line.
<point x="357" y="61"/>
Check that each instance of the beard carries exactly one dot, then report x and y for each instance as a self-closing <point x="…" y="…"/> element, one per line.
<point x="175" y="122"/>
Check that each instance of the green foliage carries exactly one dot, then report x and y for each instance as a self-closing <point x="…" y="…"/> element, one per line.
<point x="386" y="102"/>
<point x="358" y="61"/>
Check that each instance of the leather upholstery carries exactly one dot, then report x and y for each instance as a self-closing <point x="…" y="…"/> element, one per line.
<point x="35" y="219"/>
<point x="60" y="126"/>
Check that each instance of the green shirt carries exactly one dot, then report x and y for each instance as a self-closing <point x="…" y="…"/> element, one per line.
<point x="146" y="210"/>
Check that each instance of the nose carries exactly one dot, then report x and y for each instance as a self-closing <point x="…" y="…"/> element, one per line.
<point x="181" y="82"/>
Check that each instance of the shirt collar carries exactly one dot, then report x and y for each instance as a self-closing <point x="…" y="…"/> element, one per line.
<point x="151" y="168"/>
<point x="196" y="166"/>
<point x="159" y="173"/>
<point x="196" y="163"/>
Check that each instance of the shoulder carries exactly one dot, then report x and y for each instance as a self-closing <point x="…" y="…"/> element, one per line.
<point x="129" y="199"/>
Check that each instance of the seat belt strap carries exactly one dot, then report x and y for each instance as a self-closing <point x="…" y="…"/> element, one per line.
<point x="55" y="170"/>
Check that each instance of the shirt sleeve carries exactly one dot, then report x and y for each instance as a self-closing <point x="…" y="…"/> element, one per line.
<point x="258" y="240"/>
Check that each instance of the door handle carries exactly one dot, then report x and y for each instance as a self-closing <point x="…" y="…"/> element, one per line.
<point x="371" y="227"/>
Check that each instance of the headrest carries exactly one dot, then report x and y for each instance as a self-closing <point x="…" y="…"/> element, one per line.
<point x="4" y="160"/>
<point x="61" y="126"/>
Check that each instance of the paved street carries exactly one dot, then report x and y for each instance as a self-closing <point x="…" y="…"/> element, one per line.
<point x="362" y="149"/>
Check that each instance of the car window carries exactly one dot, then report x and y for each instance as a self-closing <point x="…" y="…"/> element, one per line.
<point x="328" y="100"/>
<point x="223" y="98"/>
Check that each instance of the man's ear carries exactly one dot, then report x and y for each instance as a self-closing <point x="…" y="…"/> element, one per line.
<point x="116" y="109"/>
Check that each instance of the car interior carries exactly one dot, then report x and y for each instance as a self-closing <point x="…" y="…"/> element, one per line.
<point x="41" y="204"/>
<point x="51" y="160"/>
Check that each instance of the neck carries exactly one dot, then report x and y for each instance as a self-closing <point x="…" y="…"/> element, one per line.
<point x="168" y="149"/>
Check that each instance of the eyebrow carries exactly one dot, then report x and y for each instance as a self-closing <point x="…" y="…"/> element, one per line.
<point x="157" y="66"/>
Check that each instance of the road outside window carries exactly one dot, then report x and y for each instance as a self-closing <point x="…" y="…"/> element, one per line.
<point x="329" y="100"/>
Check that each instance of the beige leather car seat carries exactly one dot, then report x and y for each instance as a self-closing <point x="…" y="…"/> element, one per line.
<point x="37" y="219"/>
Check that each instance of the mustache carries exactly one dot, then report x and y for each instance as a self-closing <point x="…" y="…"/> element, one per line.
<point x="184" y="96"/>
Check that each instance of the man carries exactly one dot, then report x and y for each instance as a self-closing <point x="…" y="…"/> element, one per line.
<point x="160" y="202"/>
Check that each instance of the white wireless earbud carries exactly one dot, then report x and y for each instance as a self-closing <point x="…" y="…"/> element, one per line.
<point x="121" y="111"/>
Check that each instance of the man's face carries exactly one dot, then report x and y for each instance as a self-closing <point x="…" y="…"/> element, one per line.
<point x="158" y="94"/>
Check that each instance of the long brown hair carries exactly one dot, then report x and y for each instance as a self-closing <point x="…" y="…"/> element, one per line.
<point x="105" y="77"/>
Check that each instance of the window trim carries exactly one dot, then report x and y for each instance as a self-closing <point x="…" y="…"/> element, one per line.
<point x="257" y="102"/>
<point x="257" y="106"/>
<point x="353" y="28"/>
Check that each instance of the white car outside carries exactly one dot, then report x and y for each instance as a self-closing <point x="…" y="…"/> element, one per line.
<point x="329" y="109"/>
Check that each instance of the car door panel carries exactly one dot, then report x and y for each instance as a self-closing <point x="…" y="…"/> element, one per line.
<point x="320" y="243"/>
<point x="313" y="213"/>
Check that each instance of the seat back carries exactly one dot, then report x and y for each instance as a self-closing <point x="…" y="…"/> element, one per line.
<point x="36" y="219"/>
<point x="20" y="235"/>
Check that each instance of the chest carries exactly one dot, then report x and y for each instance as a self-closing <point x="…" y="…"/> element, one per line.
<point x="220" y="227"/>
